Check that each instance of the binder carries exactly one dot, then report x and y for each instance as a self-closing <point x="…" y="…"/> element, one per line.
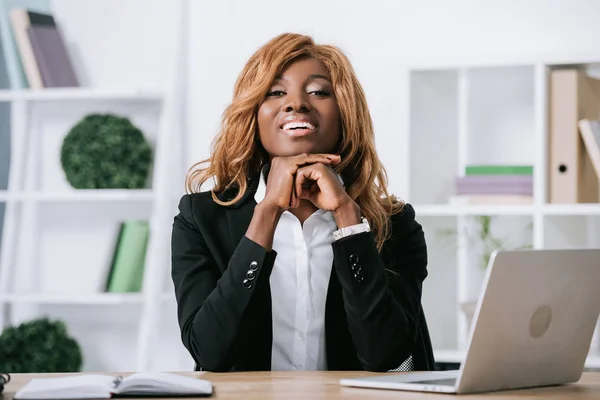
<point x="573" y="97"/>
<point x="590" y="133"/>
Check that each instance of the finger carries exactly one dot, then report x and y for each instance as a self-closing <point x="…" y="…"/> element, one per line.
<point x="307" y="179"/>
<point x="294" y="199"/>
<point x="298" y="182"/>
<point x="335" y="158"/>
<point x="304" y="159"/>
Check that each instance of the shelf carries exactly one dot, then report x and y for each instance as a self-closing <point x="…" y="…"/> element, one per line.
<point x="74" y="299"/>
<point x="440" y="210"/>
<point x="571" y="209"/>
<point x="500" y="61"/>
<point x="82" y="195"/>
<point x="70" y="94"/>
<point x="457" y="356"/>
<point x="454" y="210"/>
<point x="80" y="299"/>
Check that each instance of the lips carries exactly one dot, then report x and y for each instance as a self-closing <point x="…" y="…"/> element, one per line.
<point x="298" y="127"/>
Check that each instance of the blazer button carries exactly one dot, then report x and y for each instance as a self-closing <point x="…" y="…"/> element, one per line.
<point x="247" y="284"/>
<point x="250" y="275"/>
<point x="359" y="276"/>
<point x="253" y="266"/>
<point x="354" y="267"/>
<point x="353" y="258"/>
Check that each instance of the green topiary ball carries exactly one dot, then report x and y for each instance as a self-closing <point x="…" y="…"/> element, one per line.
<point x="40" y="345"/>
<point x="104" y="151"/>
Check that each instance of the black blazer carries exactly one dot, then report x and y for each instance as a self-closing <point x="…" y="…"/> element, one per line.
<point x="373" y="315"/>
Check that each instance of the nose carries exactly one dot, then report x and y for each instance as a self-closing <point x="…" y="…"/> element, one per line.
<point x="297" y="102"/>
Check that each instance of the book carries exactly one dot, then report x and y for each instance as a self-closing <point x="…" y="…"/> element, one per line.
<point x="127" y="269"/>
<point x="499" y="170"/>
<point x="495" y="184"/>
<point x="491" y="199"/>
<point x="21" y="20"/>
<point x="12" y="59"/>
<point x="590" y="133"/>
<point x="494" y="190"/>
<point x="111" y="268"/>
<point x="52" y="56"/>
<point x="91" y="386"/>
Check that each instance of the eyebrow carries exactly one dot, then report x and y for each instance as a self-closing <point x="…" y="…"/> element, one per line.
<point x="310" y="77"/>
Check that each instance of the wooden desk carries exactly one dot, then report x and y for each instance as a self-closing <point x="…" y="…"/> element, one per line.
<point x="325" y="385"/>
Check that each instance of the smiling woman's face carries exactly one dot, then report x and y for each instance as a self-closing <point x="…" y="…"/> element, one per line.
<point x="300" y="113"/>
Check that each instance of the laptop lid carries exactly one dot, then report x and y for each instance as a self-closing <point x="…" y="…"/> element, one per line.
<point x="534" y="323"/>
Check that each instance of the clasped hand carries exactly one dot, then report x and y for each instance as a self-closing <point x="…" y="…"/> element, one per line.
<point x="305" y="176"/>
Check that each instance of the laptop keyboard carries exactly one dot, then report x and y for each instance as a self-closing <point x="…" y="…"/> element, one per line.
<point x="442" y="382"/>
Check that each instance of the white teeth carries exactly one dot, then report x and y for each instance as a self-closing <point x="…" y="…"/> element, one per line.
<point x="303" y="125"/>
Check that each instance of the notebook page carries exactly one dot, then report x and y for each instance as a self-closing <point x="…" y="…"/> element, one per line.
<point x="163" y="382"/>
<point x="69" y="387"/>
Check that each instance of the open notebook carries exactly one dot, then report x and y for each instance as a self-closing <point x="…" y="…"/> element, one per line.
<point x="142" y="384"/>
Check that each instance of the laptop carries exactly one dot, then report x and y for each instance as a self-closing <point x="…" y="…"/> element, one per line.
<point x="533" y="326"/>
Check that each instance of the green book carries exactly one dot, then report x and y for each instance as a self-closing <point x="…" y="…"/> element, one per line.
<point x="499" y="170"/>
<point x="127" y="271"/>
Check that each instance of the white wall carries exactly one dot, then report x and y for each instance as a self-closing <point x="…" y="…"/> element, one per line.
<point x="132" y="42"/>
<point x="117" y="43"/>
<point x="380" y="38"/>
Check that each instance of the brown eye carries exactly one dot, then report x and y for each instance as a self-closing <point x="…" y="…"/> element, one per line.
<point x="321" y="93"/>
<point x="275" y="93"/>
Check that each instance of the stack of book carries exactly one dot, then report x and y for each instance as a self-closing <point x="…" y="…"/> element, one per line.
<point x="495" y="184"/>
<point x="33" y="48"/>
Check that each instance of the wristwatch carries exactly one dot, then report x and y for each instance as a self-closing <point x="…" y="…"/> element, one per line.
<point x="352" y="229"/>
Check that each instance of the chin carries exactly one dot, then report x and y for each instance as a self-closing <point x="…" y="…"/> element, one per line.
<point x="299" y="150"/>
<point x="295" y="152"/>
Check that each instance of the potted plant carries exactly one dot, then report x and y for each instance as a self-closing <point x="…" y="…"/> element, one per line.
<point x="40" y="345"/>
<point x="106" y="151"/>
<point x="484" y="242"/>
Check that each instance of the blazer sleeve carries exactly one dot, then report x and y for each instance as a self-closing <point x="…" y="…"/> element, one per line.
<point x="211" y="304"/>
<point x="382" y="291"/>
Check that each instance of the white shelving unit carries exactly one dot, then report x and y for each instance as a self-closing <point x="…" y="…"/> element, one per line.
<point x="57" y="242"/>
<point x="464" y="112"/>
<point x="85" y="94"/>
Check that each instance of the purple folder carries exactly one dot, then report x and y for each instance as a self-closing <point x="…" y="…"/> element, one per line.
<point x="506" y="184"/>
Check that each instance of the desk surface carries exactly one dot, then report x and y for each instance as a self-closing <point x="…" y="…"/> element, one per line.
<point x="325" y="385"/>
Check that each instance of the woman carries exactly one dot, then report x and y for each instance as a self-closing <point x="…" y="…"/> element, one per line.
<point x="298" y="258"/>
